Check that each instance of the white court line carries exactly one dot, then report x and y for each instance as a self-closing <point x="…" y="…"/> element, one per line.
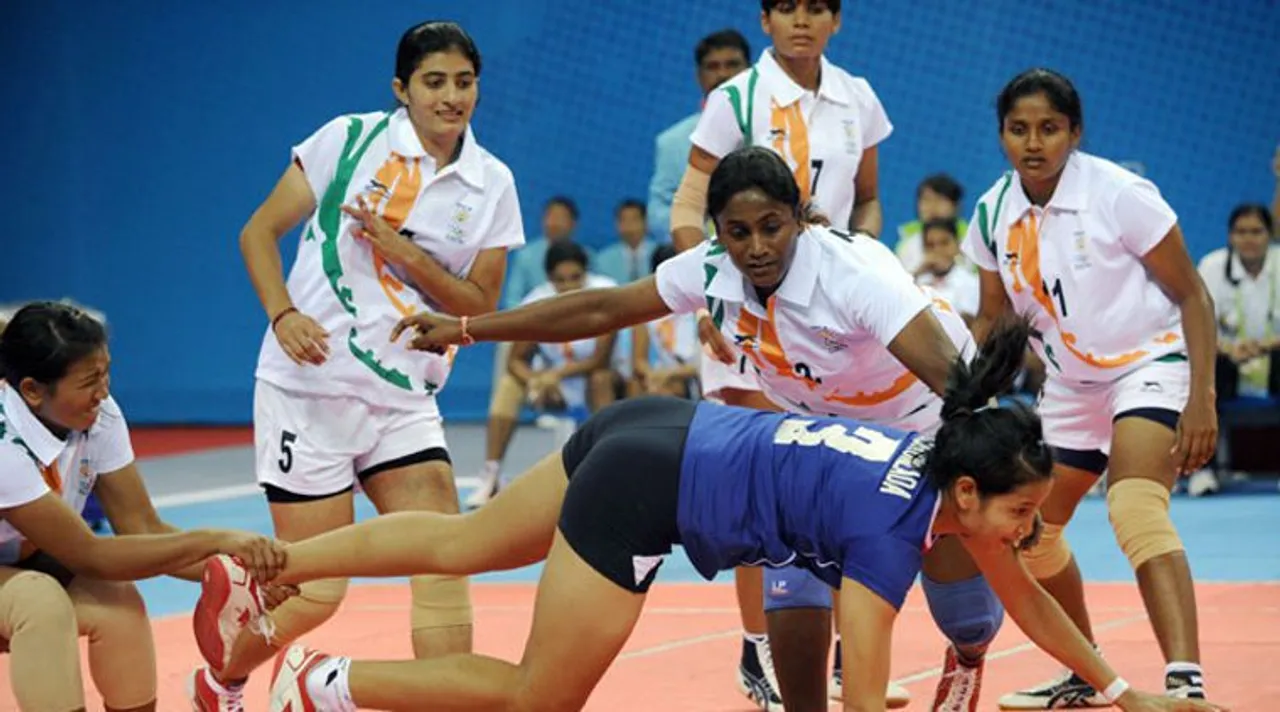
<point x="680" y="643"/>
<point x="1016" y="650"/>
<point x="222" y="494"/>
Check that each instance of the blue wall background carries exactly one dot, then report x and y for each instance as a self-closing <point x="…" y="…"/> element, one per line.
<point x="136" y="137"/>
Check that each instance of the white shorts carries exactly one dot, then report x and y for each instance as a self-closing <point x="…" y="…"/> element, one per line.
<point x="316" y="446"/>
<point x="716" y="376"/>
<point x="1079" y="417"/>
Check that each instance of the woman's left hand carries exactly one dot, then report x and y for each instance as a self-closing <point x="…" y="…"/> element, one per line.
<point x="1196" y="436"/>
<point x="386" y="242"/>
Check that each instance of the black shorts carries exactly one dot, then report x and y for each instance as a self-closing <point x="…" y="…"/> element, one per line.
<point x="41" y="562"/>
<point x="619" y="512"/>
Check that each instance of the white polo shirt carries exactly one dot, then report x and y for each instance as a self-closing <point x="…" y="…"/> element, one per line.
<point x="821" y="134"/>
<point x="34" y="461"/>
<point x="820" y="342"/>
<point x="1250" y="308"/>
<point x="673" y="341"/>
<point x="337" y="280"/>
<point x="1076" y="266"/>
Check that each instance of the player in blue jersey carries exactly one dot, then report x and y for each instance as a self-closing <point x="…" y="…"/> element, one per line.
<point x="856" y="504"/>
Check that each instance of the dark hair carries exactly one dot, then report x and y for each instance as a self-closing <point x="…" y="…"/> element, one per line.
<point x="1059" y="90"/>
<point x="563" y="201"/>
<point x="564" y="251"/>
<point x="767" y="5"/>
<point x="1000" y="447"/>
<point x="943" y="185"/>
<point x="420" y="41"/>
<point x="44" y="339"/>
<point x="948" y="224"/>
<point x="661" y="254"/>
<point x="631" y="203"/>
<point x="752" y="167"/>
<point x="724" y="39"/>
<point x="1240" y="211"/>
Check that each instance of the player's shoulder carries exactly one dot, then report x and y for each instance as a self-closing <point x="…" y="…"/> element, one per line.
<point x="496" y="172"/>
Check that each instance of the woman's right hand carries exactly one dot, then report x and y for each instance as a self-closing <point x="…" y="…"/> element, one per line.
<point x="713" y="342"/>
<point x="1135" y="701"/>
<point x="301" y="338"/>
<point x="263" y="556"/>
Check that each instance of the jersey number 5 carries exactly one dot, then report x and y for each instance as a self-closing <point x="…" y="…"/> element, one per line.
<point x="870" y="445"/>
<point x="287" y="439"/>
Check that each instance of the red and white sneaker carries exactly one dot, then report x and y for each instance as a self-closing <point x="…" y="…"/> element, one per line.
<point x="960" y="685"/>
<point x="229" y="602"/>
<point x="206" y="695"/>
<point x="289" y="680"/>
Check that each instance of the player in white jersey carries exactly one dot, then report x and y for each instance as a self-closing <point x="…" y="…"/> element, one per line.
<point x="404" y="212"/>
<point x="63" y="437"/>
<point x="833" y="325"/>
<point x="1126" y="330"/>
<point x="666" y="352"/>
<point x="827" y="125"/>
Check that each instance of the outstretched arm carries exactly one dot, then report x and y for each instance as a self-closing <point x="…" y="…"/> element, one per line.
<point x="866" y="636"/>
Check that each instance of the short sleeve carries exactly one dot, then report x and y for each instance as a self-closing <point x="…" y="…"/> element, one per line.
<point x="318" y="154"/>
<point x="977" y="249"/>
<point x="875" y="122"/>
<point x="718" y="131"/>
<point x="1143" y="216"/>
<point x="507" y="229"/>
<point x="885" y="564"/>
<point x="681" y="280"/>
<point x="20" y="480"/>
<point x="109" y="438"/>
<point x="884" y="298"/>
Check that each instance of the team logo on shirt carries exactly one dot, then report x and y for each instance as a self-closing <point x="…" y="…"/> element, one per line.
<point x="851" y="142"/>
<point x="85" y="485"/>
<point x="456" y="231"/>
<point x="830" y="339"/>
<point x="1080" y="258"/>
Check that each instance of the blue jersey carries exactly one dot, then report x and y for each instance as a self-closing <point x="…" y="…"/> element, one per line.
<point x="832" y="495"/>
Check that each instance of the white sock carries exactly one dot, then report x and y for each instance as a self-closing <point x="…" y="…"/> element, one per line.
<point x="218" y="687"/>
<point x="1191" y="670"/>
<point x="329" y="685"/>
<point x="757" y="638"/>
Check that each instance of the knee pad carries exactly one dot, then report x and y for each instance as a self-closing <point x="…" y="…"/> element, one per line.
<point x="793" y="587"/>
<point x="439" y="602"/>
<point x="967" y="612"/>
<point x="507" y="397"/>
<point x="1050" y="555"/>
<point x="1139" y="512"/>
<point x="315" y="603"/>
<point x="35" y="603"/>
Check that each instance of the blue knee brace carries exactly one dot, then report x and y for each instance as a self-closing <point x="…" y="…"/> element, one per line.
<point x="967" y="612"/>
<point x="793" y="587"/>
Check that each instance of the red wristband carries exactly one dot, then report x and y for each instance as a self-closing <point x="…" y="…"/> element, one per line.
<point x="466" y="338"/>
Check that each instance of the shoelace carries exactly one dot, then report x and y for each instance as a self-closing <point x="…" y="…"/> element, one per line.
<point x="764" y="653"/>
<point x="961" y="687"/>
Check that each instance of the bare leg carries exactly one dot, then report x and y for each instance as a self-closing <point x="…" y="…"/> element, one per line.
<point x="1067" y="586"/>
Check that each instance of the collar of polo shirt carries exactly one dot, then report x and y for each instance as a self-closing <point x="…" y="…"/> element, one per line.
<point x="786" y="92"/>
<point x="405" y="142"/>
<point x="43" y="444"/>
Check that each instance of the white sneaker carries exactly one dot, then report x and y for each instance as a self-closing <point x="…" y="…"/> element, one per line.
<point x="1067" y="691"/>
<point x="490" y="480"/>
<point x="756" y="677"/>
<point x="1202" y="482"/>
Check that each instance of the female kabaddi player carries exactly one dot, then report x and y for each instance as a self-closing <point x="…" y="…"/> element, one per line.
<point x="405" y="212"/>
<point x="62" y="437"/>
<point x="852" y="502"/>
<point x="1126" y="329"/>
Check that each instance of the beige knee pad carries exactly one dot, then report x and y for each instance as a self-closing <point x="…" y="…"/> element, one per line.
<point x="1050" y="555"/>
<point x="440" y="602"/>
<point x="507" y="397"/>
<point x="39" y="622"/>
<point x="1139" y="512"/>
<point x="315" y="603"/>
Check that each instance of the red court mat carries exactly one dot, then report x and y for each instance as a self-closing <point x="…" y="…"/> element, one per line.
<point x="683" y="654"/>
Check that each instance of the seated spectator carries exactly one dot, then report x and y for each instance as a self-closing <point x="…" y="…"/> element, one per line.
<point x="1244" y="280"/>
<point x="940" y="271"/>
<point x="550" y="377"/>
<point x="627" y="259"/>
<point x="526" y="267"/>
<point x="938" y="196"/>
<point x="667" y="350"/>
